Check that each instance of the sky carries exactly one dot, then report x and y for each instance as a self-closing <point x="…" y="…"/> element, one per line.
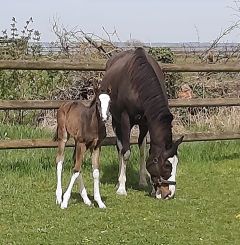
<point x="144" y="20"/>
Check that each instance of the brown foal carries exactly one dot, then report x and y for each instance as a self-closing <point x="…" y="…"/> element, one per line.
<point x="86" y="124"/>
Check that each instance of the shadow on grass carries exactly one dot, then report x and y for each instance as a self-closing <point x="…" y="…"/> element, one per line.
<point x="78" y="199"/>
<point x="110" y="175"/>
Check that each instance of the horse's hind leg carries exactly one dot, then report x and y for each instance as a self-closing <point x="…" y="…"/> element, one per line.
<point x="142" y="144"/>
<point x="80" y="150"/>
<point x="62" y="139"/>
<point x="95" y="166"/>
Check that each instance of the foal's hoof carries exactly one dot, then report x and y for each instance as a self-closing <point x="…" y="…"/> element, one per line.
<point x="121" y="192"/>
<point x="58" y="201"/>
<point x="101" y="205"/>
<point x="58" y="196"/>
<point x="88" y="202"/>
<point x="64" y="205"/>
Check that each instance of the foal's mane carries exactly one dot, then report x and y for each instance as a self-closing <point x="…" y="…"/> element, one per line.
<point x="152" y="94"/>
<point x="93" y="101"/>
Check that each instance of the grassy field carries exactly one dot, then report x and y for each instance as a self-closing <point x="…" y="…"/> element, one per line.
<point x="206" y="209"/>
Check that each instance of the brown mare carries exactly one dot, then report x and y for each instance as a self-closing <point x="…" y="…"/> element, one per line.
<point x="138" y="97"/>
<point x="86" y="124"/>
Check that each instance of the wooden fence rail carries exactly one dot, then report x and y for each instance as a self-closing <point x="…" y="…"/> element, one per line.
<point x="100" y="66"/>
<point x="55" y="104"/>
<point x="47" y="143"/>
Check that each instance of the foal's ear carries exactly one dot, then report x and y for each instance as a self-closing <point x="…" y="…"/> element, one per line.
<point x="96" y="87"/>
<point x="109" y="90"/>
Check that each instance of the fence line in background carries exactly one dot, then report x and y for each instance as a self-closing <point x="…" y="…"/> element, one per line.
<point x="100" y="66"/>
<point x="47" y="143"/>
<point x="55" y="104"/>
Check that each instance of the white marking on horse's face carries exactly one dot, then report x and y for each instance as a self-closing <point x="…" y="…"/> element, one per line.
<point x="174" y="161"/>
<point x="104" y="99"/>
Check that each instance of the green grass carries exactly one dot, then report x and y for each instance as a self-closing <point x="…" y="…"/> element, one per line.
<point x="22" y="132"/>
<point x="203" y="212"/>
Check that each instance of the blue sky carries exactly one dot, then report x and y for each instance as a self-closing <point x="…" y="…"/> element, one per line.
<point x="147" y="21"/>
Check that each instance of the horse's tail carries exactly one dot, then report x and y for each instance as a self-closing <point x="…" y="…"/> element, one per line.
<point x="74" y="154"/>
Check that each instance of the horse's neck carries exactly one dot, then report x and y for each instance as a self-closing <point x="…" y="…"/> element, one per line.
<point x="160" y="136"/>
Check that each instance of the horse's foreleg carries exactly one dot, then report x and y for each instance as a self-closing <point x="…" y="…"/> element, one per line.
<point x="142" y="162"/>
<point x="80" y="150"/>
<point x="123" y="144"/>
<point x="142" y="144"/>
<point x="95" y="166"/>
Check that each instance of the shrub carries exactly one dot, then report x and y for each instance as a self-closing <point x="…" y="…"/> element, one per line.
<point x="165" y="55"/>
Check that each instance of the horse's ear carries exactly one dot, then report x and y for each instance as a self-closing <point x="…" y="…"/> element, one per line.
<point x="173" y="150"/>
<point x="178" y="141"/>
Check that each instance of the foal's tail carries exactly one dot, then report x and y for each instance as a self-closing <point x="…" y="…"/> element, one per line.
<point x="55" y="137"/>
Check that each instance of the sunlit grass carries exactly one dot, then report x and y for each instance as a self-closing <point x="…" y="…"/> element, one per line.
<point x="203" y="212"/>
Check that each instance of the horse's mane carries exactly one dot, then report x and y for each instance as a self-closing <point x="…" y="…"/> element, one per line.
<point x="151" y="93"/>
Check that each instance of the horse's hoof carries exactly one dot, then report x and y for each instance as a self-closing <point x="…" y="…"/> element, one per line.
<point x="126" y="155"/>
<point x="143" y="184"/>
<point x="121" y="192"/>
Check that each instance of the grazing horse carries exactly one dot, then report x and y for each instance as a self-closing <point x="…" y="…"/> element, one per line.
<point x="138" y="97"/>
<point x="86" y="124"/>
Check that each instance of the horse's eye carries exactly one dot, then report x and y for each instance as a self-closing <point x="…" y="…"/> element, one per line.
<point x="155" y="160"/>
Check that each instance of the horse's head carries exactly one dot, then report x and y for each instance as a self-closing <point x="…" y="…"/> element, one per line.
<point x="102" y="101"/>
<point x="161" y="168"/>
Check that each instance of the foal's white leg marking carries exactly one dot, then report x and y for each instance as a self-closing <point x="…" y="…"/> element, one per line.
<point x="104" y="98"/>
<point x="174" y="161"/>
<point x="59" y="183"/>
<point x="97" y="196"/>
<point x="67" y="194"/>
<point x="122" y="177"/>
<point x="83" y="191"/>
<point x="143" y="171"/>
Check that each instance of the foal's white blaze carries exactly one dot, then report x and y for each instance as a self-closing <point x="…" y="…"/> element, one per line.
<point x="174" y="161"/>
<point x="59" y="183"/>
<point x="104" y="99"/>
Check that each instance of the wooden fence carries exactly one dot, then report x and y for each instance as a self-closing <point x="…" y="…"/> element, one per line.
<point x="100" y="66"/>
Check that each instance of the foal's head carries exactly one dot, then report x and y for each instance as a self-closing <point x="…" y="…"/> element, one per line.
<point x="102" y="102"/>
